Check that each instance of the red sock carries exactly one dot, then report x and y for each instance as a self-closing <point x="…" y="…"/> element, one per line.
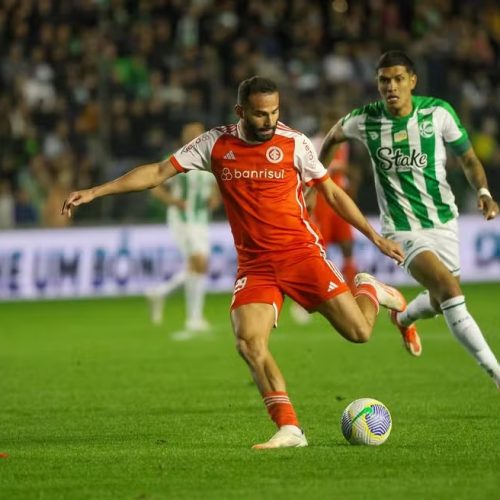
<point x="280" y="408"/>
<point x="368" y="291"/>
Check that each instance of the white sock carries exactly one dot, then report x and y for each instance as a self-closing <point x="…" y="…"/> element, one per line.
<point x="419" y="308"/>
<point x="195" y="295"/>
<point x="167" y="287"/>
<point x="466" y="330"/>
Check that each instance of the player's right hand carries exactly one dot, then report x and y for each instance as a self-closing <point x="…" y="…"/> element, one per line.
<point x="75" y="199"/>
<point x="390" y="248"/>
<point x="488" y="206"/>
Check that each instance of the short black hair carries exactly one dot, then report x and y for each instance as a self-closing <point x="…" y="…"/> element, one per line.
<point x="396" y="58"/>
<point x="255" y="85"/>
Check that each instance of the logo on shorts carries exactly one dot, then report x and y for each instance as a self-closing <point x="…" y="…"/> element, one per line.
<point x="274" y="154"/>
<point x="331" y="286"/>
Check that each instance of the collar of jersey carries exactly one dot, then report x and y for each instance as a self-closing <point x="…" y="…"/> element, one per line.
<point x="400" y="119"/>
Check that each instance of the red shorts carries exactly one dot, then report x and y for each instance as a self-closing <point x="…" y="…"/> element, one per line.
<point x="306" y="276"/>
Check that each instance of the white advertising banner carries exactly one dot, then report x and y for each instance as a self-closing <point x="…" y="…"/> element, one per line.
<point x="125" y="260"/>
<point x="105" y="261"/>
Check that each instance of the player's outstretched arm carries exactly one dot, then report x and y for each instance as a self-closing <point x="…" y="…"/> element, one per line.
<point x="140" y="178"/>
<point x="342" y="203"/>
<point x="474" y="171"/>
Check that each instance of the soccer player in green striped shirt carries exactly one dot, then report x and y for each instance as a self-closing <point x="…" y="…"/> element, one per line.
<point x="190" y="199"/>
<point x="406" y="137"/>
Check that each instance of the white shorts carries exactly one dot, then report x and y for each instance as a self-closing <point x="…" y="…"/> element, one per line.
<point x="191" y="239"/>
<point x="442" y="241"/>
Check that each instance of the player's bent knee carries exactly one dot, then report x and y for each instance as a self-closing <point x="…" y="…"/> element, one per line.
<point x="252" y="352"/>
<point x="360" y="334"/>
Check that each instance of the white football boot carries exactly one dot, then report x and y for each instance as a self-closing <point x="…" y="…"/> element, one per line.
<point x="198" y="325"/>
<point x="387" y="296"/>
<point x="288" y="436"/>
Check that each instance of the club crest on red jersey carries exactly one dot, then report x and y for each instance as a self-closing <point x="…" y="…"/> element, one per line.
<point x="274" y="154"/>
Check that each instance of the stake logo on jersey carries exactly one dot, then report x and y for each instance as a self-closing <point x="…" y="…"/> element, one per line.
<point x="408" y="157"/>
<point x="389" y="158"/>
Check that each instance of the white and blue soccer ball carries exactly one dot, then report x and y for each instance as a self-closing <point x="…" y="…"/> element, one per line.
<point x="366" y="421"/>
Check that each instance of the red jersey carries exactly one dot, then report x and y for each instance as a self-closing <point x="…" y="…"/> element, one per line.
<point x="261" y="186"/>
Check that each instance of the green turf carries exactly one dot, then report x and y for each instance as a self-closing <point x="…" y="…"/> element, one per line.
<point x="97" y="403"/>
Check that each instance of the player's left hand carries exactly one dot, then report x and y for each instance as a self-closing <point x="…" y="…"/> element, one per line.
<point x="390" y="248"/>
<point x="488" y="206"/>
<point x="75" y="199"/>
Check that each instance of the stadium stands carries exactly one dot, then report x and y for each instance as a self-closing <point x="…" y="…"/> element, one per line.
<point x="88" y="88"/>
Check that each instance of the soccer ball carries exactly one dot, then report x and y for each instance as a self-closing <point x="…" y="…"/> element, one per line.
<point x="366" y="421"/>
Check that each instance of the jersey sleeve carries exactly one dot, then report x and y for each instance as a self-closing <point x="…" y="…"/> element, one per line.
<point x="454" y="133"/>
<point x="306" y="160"/>
<point x="196" y="155"/>
<point x="351" y="124"/>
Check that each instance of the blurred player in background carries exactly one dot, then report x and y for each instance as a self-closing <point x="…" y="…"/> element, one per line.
<point x="260" y="164"/>
<point x="406" y="137"/>
<point x="190" y="200"/>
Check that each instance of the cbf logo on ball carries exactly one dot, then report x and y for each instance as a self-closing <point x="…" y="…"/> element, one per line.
<point x="274" y="154"/>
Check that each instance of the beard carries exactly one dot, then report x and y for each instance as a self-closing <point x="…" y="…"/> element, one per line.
<point x="258" y="134"/>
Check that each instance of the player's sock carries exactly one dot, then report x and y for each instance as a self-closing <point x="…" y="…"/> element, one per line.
<point x="368" y="291"/>
<point x="195" y="295"/>
<point x="466" y="330"/>
<point x="349" y="271"/>
<point x="156" y="295"/>
<point x="280" y="408"/>
<point x="419" y="308"/>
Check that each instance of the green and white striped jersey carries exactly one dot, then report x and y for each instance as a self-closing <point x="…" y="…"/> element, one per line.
<point x="408" y="157"/>
<point x="195" y="188"/>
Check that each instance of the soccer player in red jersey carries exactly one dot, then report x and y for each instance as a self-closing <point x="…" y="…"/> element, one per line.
<point x="260" y="164"/>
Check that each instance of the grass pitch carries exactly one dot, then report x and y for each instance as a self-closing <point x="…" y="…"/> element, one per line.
<point x="96" y="403"/>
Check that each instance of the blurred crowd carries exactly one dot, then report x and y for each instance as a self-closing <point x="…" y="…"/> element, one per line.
<point x="89" y="88"/>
